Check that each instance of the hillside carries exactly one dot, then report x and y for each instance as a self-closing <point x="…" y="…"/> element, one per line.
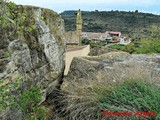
<point x="101" y="21"/>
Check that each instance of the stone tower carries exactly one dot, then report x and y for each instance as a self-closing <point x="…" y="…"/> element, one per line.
<point x="79" y="27"/>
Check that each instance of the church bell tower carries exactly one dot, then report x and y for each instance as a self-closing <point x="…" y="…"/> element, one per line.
<point x="79" y="27"/>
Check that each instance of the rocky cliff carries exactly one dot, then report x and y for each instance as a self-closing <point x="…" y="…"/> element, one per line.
<point x="36" y="57"/>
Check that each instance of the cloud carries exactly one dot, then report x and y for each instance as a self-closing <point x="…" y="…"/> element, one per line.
<point x="61" y="5"/>
<point x="118" y="2"/>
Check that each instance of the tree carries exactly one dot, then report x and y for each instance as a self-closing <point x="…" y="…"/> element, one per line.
<point x="136" y="11"/>
<point x="96" y="11"/>
<point x="85" y="41"/>
<point x="154" y="31"/>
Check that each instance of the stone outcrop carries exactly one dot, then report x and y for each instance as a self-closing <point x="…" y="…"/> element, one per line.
<point x="112" y="67"/>
<point x="37" y="58"/>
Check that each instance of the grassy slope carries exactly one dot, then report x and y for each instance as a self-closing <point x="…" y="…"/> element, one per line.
<point x="131" y="96"/>
<point x="144" y="46"/>
<point x="88" y="103"/>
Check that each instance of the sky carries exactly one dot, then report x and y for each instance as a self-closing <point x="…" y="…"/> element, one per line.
<point x="147" y="6"/>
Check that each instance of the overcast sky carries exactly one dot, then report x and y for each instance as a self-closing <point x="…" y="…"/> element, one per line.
<point x="150" y="6"/>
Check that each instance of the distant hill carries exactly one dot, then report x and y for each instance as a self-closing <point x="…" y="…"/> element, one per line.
<point x="101" y="21"/>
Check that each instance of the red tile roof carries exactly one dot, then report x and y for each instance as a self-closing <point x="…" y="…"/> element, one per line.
<point x="115" y="32"/>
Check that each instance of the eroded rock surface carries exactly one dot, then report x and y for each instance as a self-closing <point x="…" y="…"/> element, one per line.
<point x="112" y="67"/>
<point x="37" y="57"/>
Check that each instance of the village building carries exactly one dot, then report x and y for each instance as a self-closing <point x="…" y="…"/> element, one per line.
<point x="115" y="34"/>
<point x="93" y="36"/>
<point x="108" y="36"/>
<point x="124" y="41"/>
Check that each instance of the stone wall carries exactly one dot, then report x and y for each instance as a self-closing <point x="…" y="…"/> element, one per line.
<point x="77" y="51"/>
<point x="71" y="37"/>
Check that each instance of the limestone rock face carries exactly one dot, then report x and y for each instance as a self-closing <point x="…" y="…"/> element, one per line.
<point x="112" y="67"/>
<point x="38" y="57"/>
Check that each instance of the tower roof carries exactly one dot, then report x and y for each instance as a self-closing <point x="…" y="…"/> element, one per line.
<point x="79" y="17"/>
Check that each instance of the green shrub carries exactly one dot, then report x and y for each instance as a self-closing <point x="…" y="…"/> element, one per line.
<point x="132" y="96"/>
<point x="8" y="53"/>
<point x="118" y="47"/>
<point x="98" y="44"/>
<point x="88" y="103"/>
<point x="144" y="46"/>
<point x="85" y="42"/>
<point x="26" y="101"/>
<point x="151" y="45"/>
<point x="29" y="99"/>
<point x="28" y="104"/>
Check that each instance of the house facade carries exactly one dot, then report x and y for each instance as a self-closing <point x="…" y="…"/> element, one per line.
<point x="109" y="36"/>
<point x="124" y="41"/>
